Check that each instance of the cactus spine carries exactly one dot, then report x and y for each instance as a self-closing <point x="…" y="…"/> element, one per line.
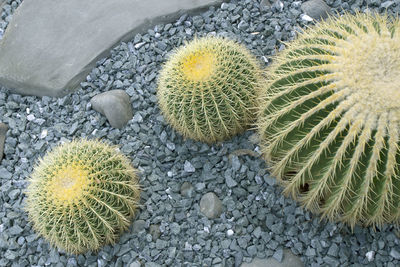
<point x="330" y="119"/>
<point x="207" y="89"/>
<point x="82" y="195"/>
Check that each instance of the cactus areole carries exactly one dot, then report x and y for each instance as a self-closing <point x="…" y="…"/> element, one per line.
<point x="207" y="89"/>
<point x="82" y="195"/>
<point x="330" y="119"/>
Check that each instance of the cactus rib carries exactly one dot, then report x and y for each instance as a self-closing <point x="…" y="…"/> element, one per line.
<point x="330" y="117"/>
<point x="82" y="195"/>
<point x="207" y="89"/>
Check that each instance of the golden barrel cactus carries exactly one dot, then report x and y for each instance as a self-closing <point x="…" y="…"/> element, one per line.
<point x="82" y="195"/>
<point x="207" y="89"/>
<point x="330" y="119"/>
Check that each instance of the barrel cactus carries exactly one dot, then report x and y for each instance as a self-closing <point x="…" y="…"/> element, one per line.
<point x="330" y="119"/>
<point x="207" y="89"/>
<point x="82" y="195"/>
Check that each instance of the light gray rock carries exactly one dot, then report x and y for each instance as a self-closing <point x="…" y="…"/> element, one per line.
<point x="3" y="131"/>
<point x="4" y="174"/>
<point x="138" y="226"/>
<point x="188" y="167"/>
<point x="316" y="9"/>
<point x="14" y="194"/>
<point x="134" y="264"/>
<point x="115" y="105"/>
<point x="230" y="182"/>
<point x="154" y="231"/>
<point x="265" y="3"/>
<point x="395" y="254"/>
<point x="387" y="4"/>
<point x="15" y="230"/>
<point x="210" y="205"/>
<point x="289" y="260"/>
<point x="50" y="46"/>
<point x="187" y="190"/>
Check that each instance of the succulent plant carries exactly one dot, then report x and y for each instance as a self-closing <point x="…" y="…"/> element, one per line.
<point x="330" y="120"/>
<point x="207" y="89"/>
<point x="82" y="195"/>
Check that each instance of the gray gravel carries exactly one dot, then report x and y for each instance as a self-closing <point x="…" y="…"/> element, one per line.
<point x="256" y="220"/>
<point x="6" y="14"/>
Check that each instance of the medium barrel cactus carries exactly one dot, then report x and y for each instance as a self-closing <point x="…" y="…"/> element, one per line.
<point x="82" y="195"/>
<point x="207" y="90"/>
<point x="330" y="122"/>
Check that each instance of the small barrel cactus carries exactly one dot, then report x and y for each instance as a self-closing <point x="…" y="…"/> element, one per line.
<point x="330" y="120"/>
<point x="82" y="195"/>
<point x="207" y="90"/>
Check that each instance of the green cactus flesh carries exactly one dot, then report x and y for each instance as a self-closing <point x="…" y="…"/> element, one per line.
<point x="207" y="89"/>
<point x="330" y="119"/>
<point x="82" y="195"/>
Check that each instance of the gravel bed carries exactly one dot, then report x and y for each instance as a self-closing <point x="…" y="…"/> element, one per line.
<point x="6" y="13"/>
<point x="257" y="221"/>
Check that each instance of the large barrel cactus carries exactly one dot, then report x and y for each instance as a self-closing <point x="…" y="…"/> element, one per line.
<point x="207" y="89"/>
<point x="82" y="195"/>
<point x="330" y="120"/>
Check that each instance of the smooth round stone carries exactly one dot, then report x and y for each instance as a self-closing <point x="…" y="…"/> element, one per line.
<point x="211" y="206"/>
<point x="316" y="9"/>
<point x="115" y="105"/>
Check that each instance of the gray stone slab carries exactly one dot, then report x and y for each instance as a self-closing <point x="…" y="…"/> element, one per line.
<point x="289" y="260"/>
<point x="51" y="45"/>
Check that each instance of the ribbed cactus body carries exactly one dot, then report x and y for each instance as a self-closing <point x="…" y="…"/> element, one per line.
<point x="330" y="119"/>
<point x="207" y="89"/>
<point x="82" y="195"/>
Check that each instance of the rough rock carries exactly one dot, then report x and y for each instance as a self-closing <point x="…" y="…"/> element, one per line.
<point x="265" y="3"/>
<point x="387" y="4"/>
<point x="211" y="206"/>
<point x="188" y="167"/>
<point x="316" y="9"/>
<point x="3" y="131"/>
<point x="138" y="226"/>
<point x="135" y="264"/>
<point x="289" y="260"/>
<point x="115" y="105"/>
<point x="154" y="231"/>
<point x="395" y="254"/>
<point x="50" y="46"/>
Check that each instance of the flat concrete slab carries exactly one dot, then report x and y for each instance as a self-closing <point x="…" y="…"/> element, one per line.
<point x="51" y="45"/>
